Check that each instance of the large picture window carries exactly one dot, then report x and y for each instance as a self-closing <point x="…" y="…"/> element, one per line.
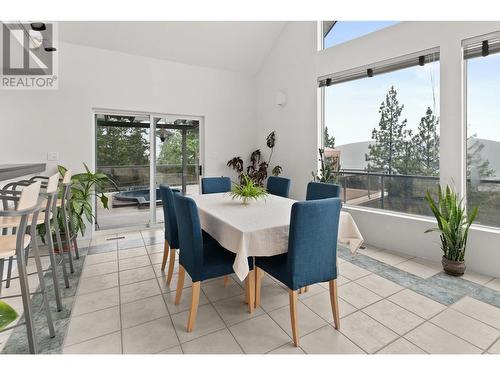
<point x="483" y="131"/>
<point x="382" y="127"/>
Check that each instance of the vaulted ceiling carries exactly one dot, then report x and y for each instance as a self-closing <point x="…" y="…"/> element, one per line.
<point x="232" y="45"/>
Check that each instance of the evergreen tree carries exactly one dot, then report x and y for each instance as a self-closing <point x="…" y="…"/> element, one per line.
<point x="426" y="143"/>
<point x="476" y="165"/>
<point x="171" y="148"/>
<point x="329" y="141"/>
<point x="389" y="136"/>
<point x="122" y="146"/>
<point x="407" y="161"/>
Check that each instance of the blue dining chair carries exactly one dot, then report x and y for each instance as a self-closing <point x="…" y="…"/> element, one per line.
<point x="278" y="186"/>
<point x="311" y="256"/>
<point x="201" y="259"/>
<point x="211" y="185"/>
<point x="321" y="190"/>
<point x="171" y="231"/>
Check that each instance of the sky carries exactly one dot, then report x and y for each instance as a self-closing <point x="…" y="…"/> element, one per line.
<point x="351" y="108"/>
<point x="483" y="97"/>
<point x="347" y="30"/>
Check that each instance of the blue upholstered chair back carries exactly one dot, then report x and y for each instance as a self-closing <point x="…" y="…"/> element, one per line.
<point x="169" y="214"/>
<point x="312" y="242"/>
<point x="190" y="237"/>
<point x="321" y="190"/>
<point x="278" y="186"/>
<point x="211" y="185"/>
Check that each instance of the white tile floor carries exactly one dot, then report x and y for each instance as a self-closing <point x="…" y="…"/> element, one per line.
<point x="123" y="305"/>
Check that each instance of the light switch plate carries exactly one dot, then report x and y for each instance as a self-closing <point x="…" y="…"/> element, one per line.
<point x="52" y="156"/>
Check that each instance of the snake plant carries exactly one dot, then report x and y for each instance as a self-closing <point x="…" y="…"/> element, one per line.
<point x="453" y="222"/>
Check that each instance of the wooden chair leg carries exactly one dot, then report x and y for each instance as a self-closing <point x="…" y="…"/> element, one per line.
<point x="226" y="281"/>
<point x="195" y="299"/>
<point x="180" y="284"/>
<point x="293" y="316"/>
<point x="306" y="289"/>
<point x="334" y="302"/>
<point x="250" y="292"/>
<point x="171" y="266"/>
<point x="165" y="255"/>
<point x="258" y="284"/>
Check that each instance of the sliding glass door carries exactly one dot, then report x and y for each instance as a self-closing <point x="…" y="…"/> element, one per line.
<point x="177" y="155"/>
<point x="123" y="154"/>
<point x="138" y="153"/>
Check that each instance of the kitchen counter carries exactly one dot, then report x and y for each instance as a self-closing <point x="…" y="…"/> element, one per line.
<point x="12" y="171"/>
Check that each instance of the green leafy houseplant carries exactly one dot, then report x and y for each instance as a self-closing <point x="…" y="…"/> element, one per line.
<point x="327" y="172"/>
<point x="257" y="170"/>
<point x="248" y="189"/>
<point x="7" y="315"/>
<point x="453" y="225"/>
<point x="84" y="186"/>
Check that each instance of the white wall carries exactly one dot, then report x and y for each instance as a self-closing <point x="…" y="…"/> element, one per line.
<point x="35" y="122"/>
<point x="293" y="67"/>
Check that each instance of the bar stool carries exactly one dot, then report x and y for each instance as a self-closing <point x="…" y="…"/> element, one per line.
<point x="27" y="210"/>
<point x="49" y="207"/>
<point x="64" y="205"/>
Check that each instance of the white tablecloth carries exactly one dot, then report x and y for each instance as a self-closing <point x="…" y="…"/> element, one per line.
<point x="260" y="228"/>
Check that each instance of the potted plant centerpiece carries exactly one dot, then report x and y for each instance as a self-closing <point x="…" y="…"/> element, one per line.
<point x="453" y="224"/>
<point x="247" y="190"/>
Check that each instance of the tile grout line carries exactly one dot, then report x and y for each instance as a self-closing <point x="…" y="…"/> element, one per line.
<point x="119" y="298"/>
<point x="223" y="321"/>
<point x="425" y="320"/>
<point x="164" y="302"/>
<point x="489" y="325"/>
<point x="300" y="337"/>
<point x="282" y="346"/>
<point x="219" y="314"/>
<point x="331" y="325"/>
<point x="371" y="304"/>
<point x="70" y="318"/>
<point x="492" y="345"/>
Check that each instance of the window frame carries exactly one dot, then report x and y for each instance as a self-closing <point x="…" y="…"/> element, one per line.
<point x="465" y="45"/>
<point x="385" y="66"/>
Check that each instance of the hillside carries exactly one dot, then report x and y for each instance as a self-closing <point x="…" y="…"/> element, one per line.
<point x="353" y="154"/>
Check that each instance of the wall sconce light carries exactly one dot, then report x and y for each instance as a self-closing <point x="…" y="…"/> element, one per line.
<point x="280" y="98"/>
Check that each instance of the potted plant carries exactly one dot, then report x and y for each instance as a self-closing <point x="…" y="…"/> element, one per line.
<point x="328" y="171"/>
<point x="257" y="170"/>
<point x="453" y="224"/>
<point x="84" y="186"/>
<point x="247" y="190"/>
<point x="7" y="315"/>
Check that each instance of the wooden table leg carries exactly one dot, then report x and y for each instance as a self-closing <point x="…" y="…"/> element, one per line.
<point x="250" y="292"/>
<point x="258" y="283"/>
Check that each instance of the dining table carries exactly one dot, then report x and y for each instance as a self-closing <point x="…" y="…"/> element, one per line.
<point x="259" y="228"/>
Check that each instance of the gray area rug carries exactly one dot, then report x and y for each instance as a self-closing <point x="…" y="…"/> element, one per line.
<point x="17" y="343"/>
